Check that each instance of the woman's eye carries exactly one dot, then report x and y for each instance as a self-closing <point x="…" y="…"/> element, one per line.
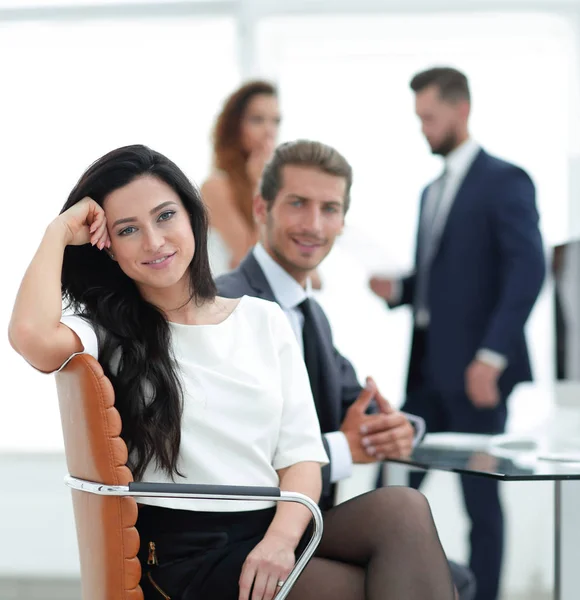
<point x="166" y="215"/>
<point x="127" y="231"/>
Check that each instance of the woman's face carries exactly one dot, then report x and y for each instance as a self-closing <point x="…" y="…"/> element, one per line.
<point x="150" y="232"/>
<point x="260" y="123"/>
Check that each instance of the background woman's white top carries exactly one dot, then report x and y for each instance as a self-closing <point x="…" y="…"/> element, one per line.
<point x="248" y="407"/>
<point x="220" y="255"/>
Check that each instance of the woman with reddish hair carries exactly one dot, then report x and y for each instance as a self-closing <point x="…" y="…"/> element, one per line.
<point x="244" y="139"/>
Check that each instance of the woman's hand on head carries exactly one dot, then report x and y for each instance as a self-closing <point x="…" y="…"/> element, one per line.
<point x="85" y="223"/>
<point x="270" y="562"/>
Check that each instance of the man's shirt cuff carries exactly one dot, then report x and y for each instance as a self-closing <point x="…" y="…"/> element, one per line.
<point x="340" y="456"/>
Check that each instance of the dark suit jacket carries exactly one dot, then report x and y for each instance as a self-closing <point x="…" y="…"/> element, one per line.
<point x="341" y="383"/>
<point x="486" y="274"/>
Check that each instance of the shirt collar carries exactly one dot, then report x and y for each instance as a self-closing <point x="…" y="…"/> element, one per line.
<point x="459" y="160"/>
<point x="287" y="291"/>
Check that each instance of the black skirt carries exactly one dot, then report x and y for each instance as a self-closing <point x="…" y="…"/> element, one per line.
<point x="190" y="555"/>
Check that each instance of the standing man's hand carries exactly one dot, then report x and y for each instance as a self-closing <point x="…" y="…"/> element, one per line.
<point x="382" y="287"/>
<point x="481" y="384"/>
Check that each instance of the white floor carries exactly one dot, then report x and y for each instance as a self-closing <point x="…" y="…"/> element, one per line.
<point x="40" y="589"/>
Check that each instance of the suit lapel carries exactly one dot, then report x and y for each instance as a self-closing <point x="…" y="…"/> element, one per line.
<point x="256" y="278"/>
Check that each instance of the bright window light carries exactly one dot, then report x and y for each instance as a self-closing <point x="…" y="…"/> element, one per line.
<point x="71" y="92"/>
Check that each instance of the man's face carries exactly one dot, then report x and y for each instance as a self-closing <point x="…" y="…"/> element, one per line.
<point x="441" y="120"/>
<point x="300" y="227"/>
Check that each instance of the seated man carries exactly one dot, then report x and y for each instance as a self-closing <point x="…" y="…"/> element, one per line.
<point x="304" y="196"/>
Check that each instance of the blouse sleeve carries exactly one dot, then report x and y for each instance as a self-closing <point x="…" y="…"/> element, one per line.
<point x="86" y="334"/>
<point x="300" y="439"/>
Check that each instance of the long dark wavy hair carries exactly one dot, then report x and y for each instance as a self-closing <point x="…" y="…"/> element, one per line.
<point x="132" y="332"/>
<point x="229" y="154"/>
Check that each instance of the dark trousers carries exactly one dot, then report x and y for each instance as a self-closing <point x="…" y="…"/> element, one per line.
<point x="455" y="412"/>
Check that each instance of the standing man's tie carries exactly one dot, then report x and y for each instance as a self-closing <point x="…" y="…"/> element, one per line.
<point x="427" y="237"/>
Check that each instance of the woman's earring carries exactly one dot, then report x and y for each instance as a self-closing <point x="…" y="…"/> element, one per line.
<point x="111" y="255"/>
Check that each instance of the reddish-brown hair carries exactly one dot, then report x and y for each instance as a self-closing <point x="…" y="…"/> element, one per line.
<point x="229" y="155"/>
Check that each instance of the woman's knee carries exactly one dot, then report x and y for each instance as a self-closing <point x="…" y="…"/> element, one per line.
<point x="403" y="507"/>
<point x="402" y="497"/>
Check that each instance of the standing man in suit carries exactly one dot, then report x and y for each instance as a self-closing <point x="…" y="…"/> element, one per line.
<point x="304" y="196"/>
<point x="479" y="268"/>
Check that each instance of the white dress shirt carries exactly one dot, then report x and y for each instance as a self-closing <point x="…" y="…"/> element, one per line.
<point x="457" y="164"/>
<point x="289" y="294"/>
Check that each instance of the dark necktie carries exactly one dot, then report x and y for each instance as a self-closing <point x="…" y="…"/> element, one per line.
<point x="311" y="350"/>
<point x="427" y="238"/>
<point x="312" y="358"/>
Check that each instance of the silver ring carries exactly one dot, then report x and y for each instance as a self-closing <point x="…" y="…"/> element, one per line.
<point x="280" y="583"/>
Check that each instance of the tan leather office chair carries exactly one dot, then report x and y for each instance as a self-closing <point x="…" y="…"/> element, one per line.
<point x="103" y="489"/>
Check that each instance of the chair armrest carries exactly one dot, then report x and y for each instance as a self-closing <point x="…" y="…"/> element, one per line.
<point x="216" y="492"/>
<point x="206" y="490"/>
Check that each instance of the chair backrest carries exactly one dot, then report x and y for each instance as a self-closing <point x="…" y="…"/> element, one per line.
<point x="107" y="538"/>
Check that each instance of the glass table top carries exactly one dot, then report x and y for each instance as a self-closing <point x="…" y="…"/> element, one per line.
<point x="505" y="457"/>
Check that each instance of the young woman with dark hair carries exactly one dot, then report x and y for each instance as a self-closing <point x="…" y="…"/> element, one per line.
<point x="210" y="390"/>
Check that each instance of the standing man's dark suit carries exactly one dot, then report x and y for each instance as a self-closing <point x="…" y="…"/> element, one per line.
<point x="486" y="270"/>
<point x="485" y="275"/>
<point x="342" y="387"/>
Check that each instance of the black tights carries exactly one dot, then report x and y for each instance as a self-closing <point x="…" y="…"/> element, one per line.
<point x="379" y="546"/>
